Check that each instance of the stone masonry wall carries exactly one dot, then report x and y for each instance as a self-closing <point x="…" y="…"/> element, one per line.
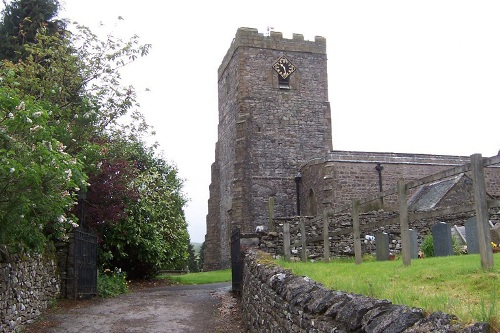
<point x="265" y="132"/>
<point x="275" y="300"/>
<point x="27" y="284"/>
<point x="342" y="245"/>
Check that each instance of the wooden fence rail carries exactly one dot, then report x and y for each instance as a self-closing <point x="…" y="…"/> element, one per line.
<point x="403" y="216"/>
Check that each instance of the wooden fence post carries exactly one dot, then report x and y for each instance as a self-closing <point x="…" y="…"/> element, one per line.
<point x="272" y="227"/>
<point x="326" y="238"/>
<point x="286" y="240"/>
<point x="404" y="224"/>
<point x="358" y="256"/>
<point x="303" y="239"/>
<point x="482" y="217"/>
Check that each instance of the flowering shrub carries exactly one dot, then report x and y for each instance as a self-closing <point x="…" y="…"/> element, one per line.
<point x="39" y="180"/>
<point x="111" y="283"/>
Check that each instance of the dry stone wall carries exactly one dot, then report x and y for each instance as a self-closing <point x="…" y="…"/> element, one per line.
<point x="342" y="243"/>
<point x="275" y="300"/>
<point x="27" y="284"/>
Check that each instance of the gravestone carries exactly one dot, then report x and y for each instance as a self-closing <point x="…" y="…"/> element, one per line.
<point x="441" y="234"/>
<point x="471" y="235"/>
<point x="495" y="234"/>
<point x="382" y="246"/>
<point x="413" y="244"/>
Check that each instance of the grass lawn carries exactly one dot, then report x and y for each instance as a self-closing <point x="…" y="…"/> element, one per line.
<point x="200" y="278"/>
<point x="455" y="285"/>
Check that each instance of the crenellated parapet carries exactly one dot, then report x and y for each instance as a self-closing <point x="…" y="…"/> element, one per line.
<point x="250" y="37"/>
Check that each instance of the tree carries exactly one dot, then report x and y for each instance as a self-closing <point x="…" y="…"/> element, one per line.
<point x="20" y="23"/>
<point x="39" y="180"/>
<point x="147" y="230"/>
<point x="192" y="261"/>
<point x="202" y="255"/>
<point x="134" y="198"/>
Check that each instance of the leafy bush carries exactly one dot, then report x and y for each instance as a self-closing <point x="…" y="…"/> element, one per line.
<point x="427" y="246"/>
<point x="111" y="283"/>
<point x="38" y="178"/>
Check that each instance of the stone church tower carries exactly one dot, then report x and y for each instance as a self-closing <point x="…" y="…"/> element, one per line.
<point x="274" y="115"/>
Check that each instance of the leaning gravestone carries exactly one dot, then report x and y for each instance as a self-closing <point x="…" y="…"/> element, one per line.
<point x="471" y="235"/>
<point x="413" y="244"/>
<point x="441" y="234"/>
<point x="382" y="246"/>
<point x="495" y="234"/>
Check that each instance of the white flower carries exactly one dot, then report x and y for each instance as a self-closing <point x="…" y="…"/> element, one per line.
<point x="28" y="120"/>
<point x="60" y="147"/>
<point x="21" y="106"/>
<point x="11" y="115"/>
<point x="35" y="128"/>
<point x="36" y="114"/>
<point x="61" y="219"/>
<point x="12" y="170"/>
<point x="68" y="174"/>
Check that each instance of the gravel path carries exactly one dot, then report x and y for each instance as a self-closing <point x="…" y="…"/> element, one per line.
<point x="172" y="309"/>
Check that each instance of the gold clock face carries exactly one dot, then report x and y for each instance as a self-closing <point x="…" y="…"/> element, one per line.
<point x="284" y="67"/>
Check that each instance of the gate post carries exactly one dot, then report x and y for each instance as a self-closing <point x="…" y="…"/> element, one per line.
<point x="404" y="223"/>
<point x="286" y="241"/>
<point x="236" y="261"/>
<point x="326" y="238"/>
<point x="482" y="218"/>
<point x="303" y="239"/>
<point x="358" y="255"/>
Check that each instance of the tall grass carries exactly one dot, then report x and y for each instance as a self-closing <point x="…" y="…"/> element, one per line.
<point x="455" y="285"/>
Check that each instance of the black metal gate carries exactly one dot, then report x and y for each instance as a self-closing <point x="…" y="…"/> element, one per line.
<point x="85" y="257"/>
<point x="236" y="261"/>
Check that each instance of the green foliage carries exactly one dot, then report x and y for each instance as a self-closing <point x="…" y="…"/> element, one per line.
<point x="193" y="260"/>
<point x="202" y="255"/>
<point x="153" y="233"/>
<point x="111" y="283"/>
<point x="62" y="131"/>
<point x="38" y="178"/>
<point x="427" y="246"/>
<point x="20" y="22"/>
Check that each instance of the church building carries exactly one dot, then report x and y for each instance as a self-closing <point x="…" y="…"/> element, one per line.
<point x="275" y="140"/>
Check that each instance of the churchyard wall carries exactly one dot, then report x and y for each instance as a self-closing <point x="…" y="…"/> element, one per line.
<point x="275" y="300"/>
<point x="28" y="283"/>
<point x="341" y="235"/>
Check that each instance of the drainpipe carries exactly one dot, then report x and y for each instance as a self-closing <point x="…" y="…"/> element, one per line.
<point x="297" y="186"/>
<point x="379" y="168"/>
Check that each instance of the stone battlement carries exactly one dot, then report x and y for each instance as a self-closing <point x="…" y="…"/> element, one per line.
<point x="250" y="37"/>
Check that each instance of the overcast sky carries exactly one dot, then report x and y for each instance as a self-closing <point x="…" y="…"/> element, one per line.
<point x="404" y="76"/>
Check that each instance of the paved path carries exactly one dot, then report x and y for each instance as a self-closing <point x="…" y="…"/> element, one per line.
<point x="169" y="309"/>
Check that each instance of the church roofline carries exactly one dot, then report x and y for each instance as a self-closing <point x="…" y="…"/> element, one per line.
<point x="346" y="156"/>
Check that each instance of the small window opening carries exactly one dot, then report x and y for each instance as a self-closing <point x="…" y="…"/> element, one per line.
<point x="283" y="83"/>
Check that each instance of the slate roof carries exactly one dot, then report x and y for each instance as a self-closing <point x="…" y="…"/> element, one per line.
<point x="429" y="195"/>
